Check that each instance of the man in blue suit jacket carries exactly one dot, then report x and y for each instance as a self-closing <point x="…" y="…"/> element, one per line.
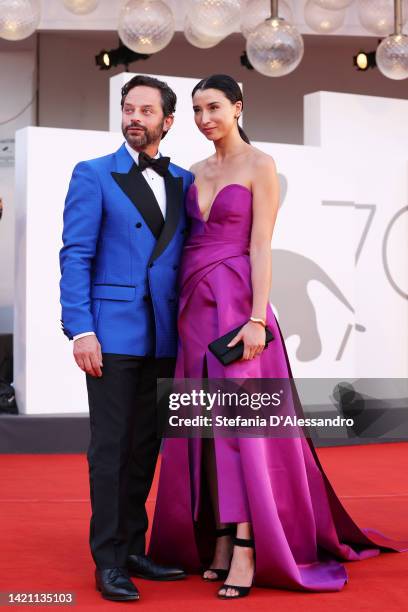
<point x="124" y="227"/>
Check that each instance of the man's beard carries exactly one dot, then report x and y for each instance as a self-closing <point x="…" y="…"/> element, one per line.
<point x="144" y="138"/>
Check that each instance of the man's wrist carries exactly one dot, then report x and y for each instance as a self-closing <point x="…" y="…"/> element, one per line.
<point x="82" y="335"/>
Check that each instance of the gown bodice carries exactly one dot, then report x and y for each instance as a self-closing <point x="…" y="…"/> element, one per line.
<point x="229" y="218"/>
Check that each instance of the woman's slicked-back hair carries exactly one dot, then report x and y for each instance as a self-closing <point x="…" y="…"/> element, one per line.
<point x="229" y="87"/>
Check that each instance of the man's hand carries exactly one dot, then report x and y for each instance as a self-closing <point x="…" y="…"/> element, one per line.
<point x="88" y="355"/>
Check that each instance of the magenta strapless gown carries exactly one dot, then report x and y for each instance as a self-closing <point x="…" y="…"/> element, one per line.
<point x="301" y="529"/>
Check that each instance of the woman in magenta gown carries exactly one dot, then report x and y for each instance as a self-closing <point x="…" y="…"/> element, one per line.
<point x="291" y="530"/>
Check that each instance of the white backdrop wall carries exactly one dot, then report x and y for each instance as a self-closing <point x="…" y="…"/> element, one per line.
<point x="333" y="288"/>
<point x="17" y="87"/>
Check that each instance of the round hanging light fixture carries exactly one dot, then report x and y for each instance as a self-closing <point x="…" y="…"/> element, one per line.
<point x="201" y="41"/>
<point x="275" y="48"/>
<point x="146" y="26"/>
<point x="256" y="11"/>
<point x="214" y="18"/>
<point x="377" y="16"/>
<point x="392" y="57"/>
<point x="392" y="53"/>
<point x="19" y="18"/>
<point x="322" y="20"/>
<point x="81" y="7"/>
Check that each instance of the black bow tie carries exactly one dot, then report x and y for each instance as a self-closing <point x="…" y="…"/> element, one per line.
<point x="158" y="164"/>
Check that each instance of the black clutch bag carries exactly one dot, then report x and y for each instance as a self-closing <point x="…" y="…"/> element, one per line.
<point x="227" y="355"/>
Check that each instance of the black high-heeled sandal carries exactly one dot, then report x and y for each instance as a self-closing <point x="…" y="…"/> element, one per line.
<point x="243" y="591"/>
<point x="221" y="573"/>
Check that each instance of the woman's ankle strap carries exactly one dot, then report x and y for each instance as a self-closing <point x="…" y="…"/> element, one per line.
<point x="245" y="543"/>
<point x="225" y="531"/>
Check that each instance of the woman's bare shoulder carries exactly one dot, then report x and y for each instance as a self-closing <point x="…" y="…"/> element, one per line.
<point x="200" y="166"/>
<point x="262" y="161"/>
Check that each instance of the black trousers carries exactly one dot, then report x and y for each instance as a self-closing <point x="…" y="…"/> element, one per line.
<point x="122" y="453"/>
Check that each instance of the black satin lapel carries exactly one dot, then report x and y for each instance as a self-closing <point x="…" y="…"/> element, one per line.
<point x="174" y="203"/>
<point x="135" y="186"/>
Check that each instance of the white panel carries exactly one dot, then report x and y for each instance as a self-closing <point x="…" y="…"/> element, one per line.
<point x="47" y="379"/>
<point x="366" y="136"/>
<point x="355" y="121"/>
<point x="17" y="87"/>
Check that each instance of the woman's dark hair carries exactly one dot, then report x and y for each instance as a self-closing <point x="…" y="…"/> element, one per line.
<point x="168" y="97"/>
<point x="229" y="87"/>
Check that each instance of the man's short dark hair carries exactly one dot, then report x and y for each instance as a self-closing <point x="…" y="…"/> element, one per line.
<point x="168" y="96"/>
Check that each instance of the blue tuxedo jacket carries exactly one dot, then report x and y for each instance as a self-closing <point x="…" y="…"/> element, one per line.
<point x="119" y="261"/>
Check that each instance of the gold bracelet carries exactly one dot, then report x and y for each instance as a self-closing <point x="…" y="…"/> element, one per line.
<point x="256" y="320"/>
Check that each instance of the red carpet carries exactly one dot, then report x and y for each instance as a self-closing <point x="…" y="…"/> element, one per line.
<point x="44" y="536"/>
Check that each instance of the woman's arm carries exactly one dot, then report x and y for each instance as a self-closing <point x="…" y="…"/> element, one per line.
<point x="265" y="193"/>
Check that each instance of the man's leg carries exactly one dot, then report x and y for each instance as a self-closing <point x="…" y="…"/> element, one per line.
<point x="146" y="444"/>
<point x="113" y="404"/>
<point x="145" y="449"/>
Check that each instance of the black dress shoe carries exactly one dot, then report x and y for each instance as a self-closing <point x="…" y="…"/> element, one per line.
<point x="115" y="584"/>
<point x="143" y="567"/>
